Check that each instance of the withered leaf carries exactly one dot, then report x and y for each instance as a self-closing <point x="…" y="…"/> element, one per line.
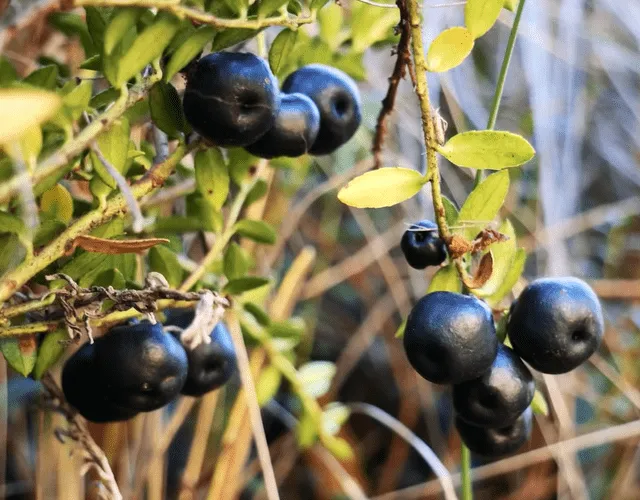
<point x="483" y="272"/>
<point x="114" y="247"/>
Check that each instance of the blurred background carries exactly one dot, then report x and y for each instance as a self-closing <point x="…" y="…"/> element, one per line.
<point x="573" y="90"/>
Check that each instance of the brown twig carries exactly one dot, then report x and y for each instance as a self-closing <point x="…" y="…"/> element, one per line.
<point x="77" y="431"/>
<point x="399" y="71"/>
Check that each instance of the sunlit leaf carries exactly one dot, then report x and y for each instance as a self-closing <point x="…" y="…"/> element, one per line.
<point x="487" y="149"/>
<point x="280" y="51"/>
<point x="212" y="176"/>
<point x="449" y="49"/>
<point x="114" y="146"/>
<point x="315" y="377"/>
<point x="334" y="415"/>
<point x="27" y="108"/>
<point x="503" y="254"/>
<point x="446" y="279"/>
<point x="512" y="277"/>
<point x="382" y="188"/>
<point x="268" y="384"/>
<point x="481" y="15"/>
<point x="450" y="211"/>
<point x="57" y="203"/>
<point x="511" y="5"/>
<point x="539" y="404"/>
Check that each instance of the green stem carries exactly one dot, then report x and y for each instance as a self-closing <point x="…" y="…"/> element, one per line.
<point x="465" y="472"/>
<point x="497" y="96"/>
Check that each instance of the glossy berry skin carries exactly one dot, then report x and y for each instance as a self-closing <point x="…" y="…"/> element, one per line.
<point x="450" y="338"/>
<point x="83" y="390"/>
<point x="496" y="442"/>
<point x="499" y="396"/>
<point x="337" y="98"/>
<point x="141" y="366"/>
<point x="423" y="248"/>
<point x="556" y="325"/>
<point x="210" y="365"/>
<point x="231" y="98"/>
<point x="294" y="131"/>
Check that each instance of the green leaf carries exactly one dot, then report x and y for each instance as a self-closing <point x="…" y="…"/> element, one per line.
<point x="176" y="224"/>
<point x="45" y="77"/>
<point x="334" y="415"/>
<point x="28" y="147"/>
<point x="20" y="353"/>
<point x="450" y="211"/>
<point x="268" y="384"/>
<point x="483" y="204"/>
<point x="512" y="277"/>
<point x="261" y="316"/>
<point x="96" y="23"/>
<point x="12" y="252"/>
<point x="449" y="49"/>
<point x="382" y="188"/>
<point x="268" y="7"/>
<point x="235" y="262"/>
<point x="400" y="331"/>
<point x="8" y="73"/>
<point x="315" y="377"/>
<point x="487" y="149"/>
<point x="94" y="63"/>
<point x="293" y="328"/>
<point x="240" y="162"/>
<point x="306" y="431"/>
<point x="503" y="254"/>
<point x="256" y="230"/>
<point x="318" y="4"/>
<point x="73" y="25"/>
<point x="77" y="100"/>
<point x="147" y="46"/>
<point x="11" y="224"/>
<point x="229" y="37"/>
<point x="481" y="15"/>
<point x="188" y="50"/>
<point x="446" y="279"/>
<point x="511" y="5"/>
<point x="212" y="176"/>
<point x="331" y="20"/>
<point x="165" y="262"/>
<point x="240" y="285"/>
<point x="371" y="24"/>
<point x="27" y="108"/>
<point x="57" y="203"/>
<point x="114" y="146"/>
<point x="120" y="24"/>
<point x="47" y="231"/>
<point x="539" y="404"/>
<point x="51" y="350"/>
<point x="166" y="111"/>
<point x="279" y="54"/>
<point x="257" y="191"/>
<point x="111" y="277"/>
<point x="339" y="447"/>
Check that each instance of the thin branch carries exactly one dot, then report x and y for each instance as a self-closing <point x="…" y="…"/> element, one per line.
<point x="201" y="17"/>
<point x="399" y="71"/>
<point x="132" y="204"/>
<point x="418" y="444"/>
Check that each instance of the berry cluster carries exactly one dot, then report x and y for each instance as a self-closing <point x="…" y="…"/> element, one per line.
<point x="232" y="99"/>
<point x="555" y="325"/>
<point x="140" y="367"/>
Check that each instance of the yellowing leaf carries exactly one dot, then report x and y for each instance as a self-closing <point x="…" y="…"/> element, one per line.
<point x="382" y="188"/>
<point x="487" y="149"/>
<point x="503" y="254"/>
<point x="449" y="49"/>
<point x="483" y="204"/>
<point x="480" y="15"/>
<point x="23" y="109"/>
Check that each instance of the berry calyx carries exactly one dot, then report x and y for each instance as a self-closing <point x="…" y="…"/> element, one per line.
<point x="556" y="325"/>
<point x="231" y="98"/>
<point x="422" y="245"/>
<point x="140" y="366"/>
<point x="83" y="390"/>
<point x="450" y="338"/>
<point x="499" y="396"/>
<point x="294" y="131"/>
<point x="496" y="442"/>
<point x="337" y="98"/>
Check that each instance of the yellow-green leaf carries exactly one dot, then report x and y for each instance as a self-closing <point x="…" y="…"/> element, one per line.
<point x="382" y="188"/>
<point x="511" y="5"/>
<point x="188" y="50"/>
<point x="482" y="204"/>
<point x="449" y="49"/>
<point x="487" y="149"/>
<point x="400" y="331"/>
<point x="57" y="203"/>
<point x="539" y="404"/>
<point x="50" y="351"/>
<point x="503" y="254"/>
<point x="268" y="384"/>
<point x="512" y="277"/>
<point x="256" y="230"/>
<point x="212" y="176"/>
<point x="28" y="147"/>
<point x="20" y="353"/>
<point x="481" y="15"/>
<point x="114" y="146"/>
<point x="445" y="280"/>
<point x="27" y="108"/>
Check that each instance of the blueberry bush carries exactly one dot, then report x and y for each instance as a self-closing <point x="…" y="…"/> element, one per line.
<point x="167" y="268"/>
